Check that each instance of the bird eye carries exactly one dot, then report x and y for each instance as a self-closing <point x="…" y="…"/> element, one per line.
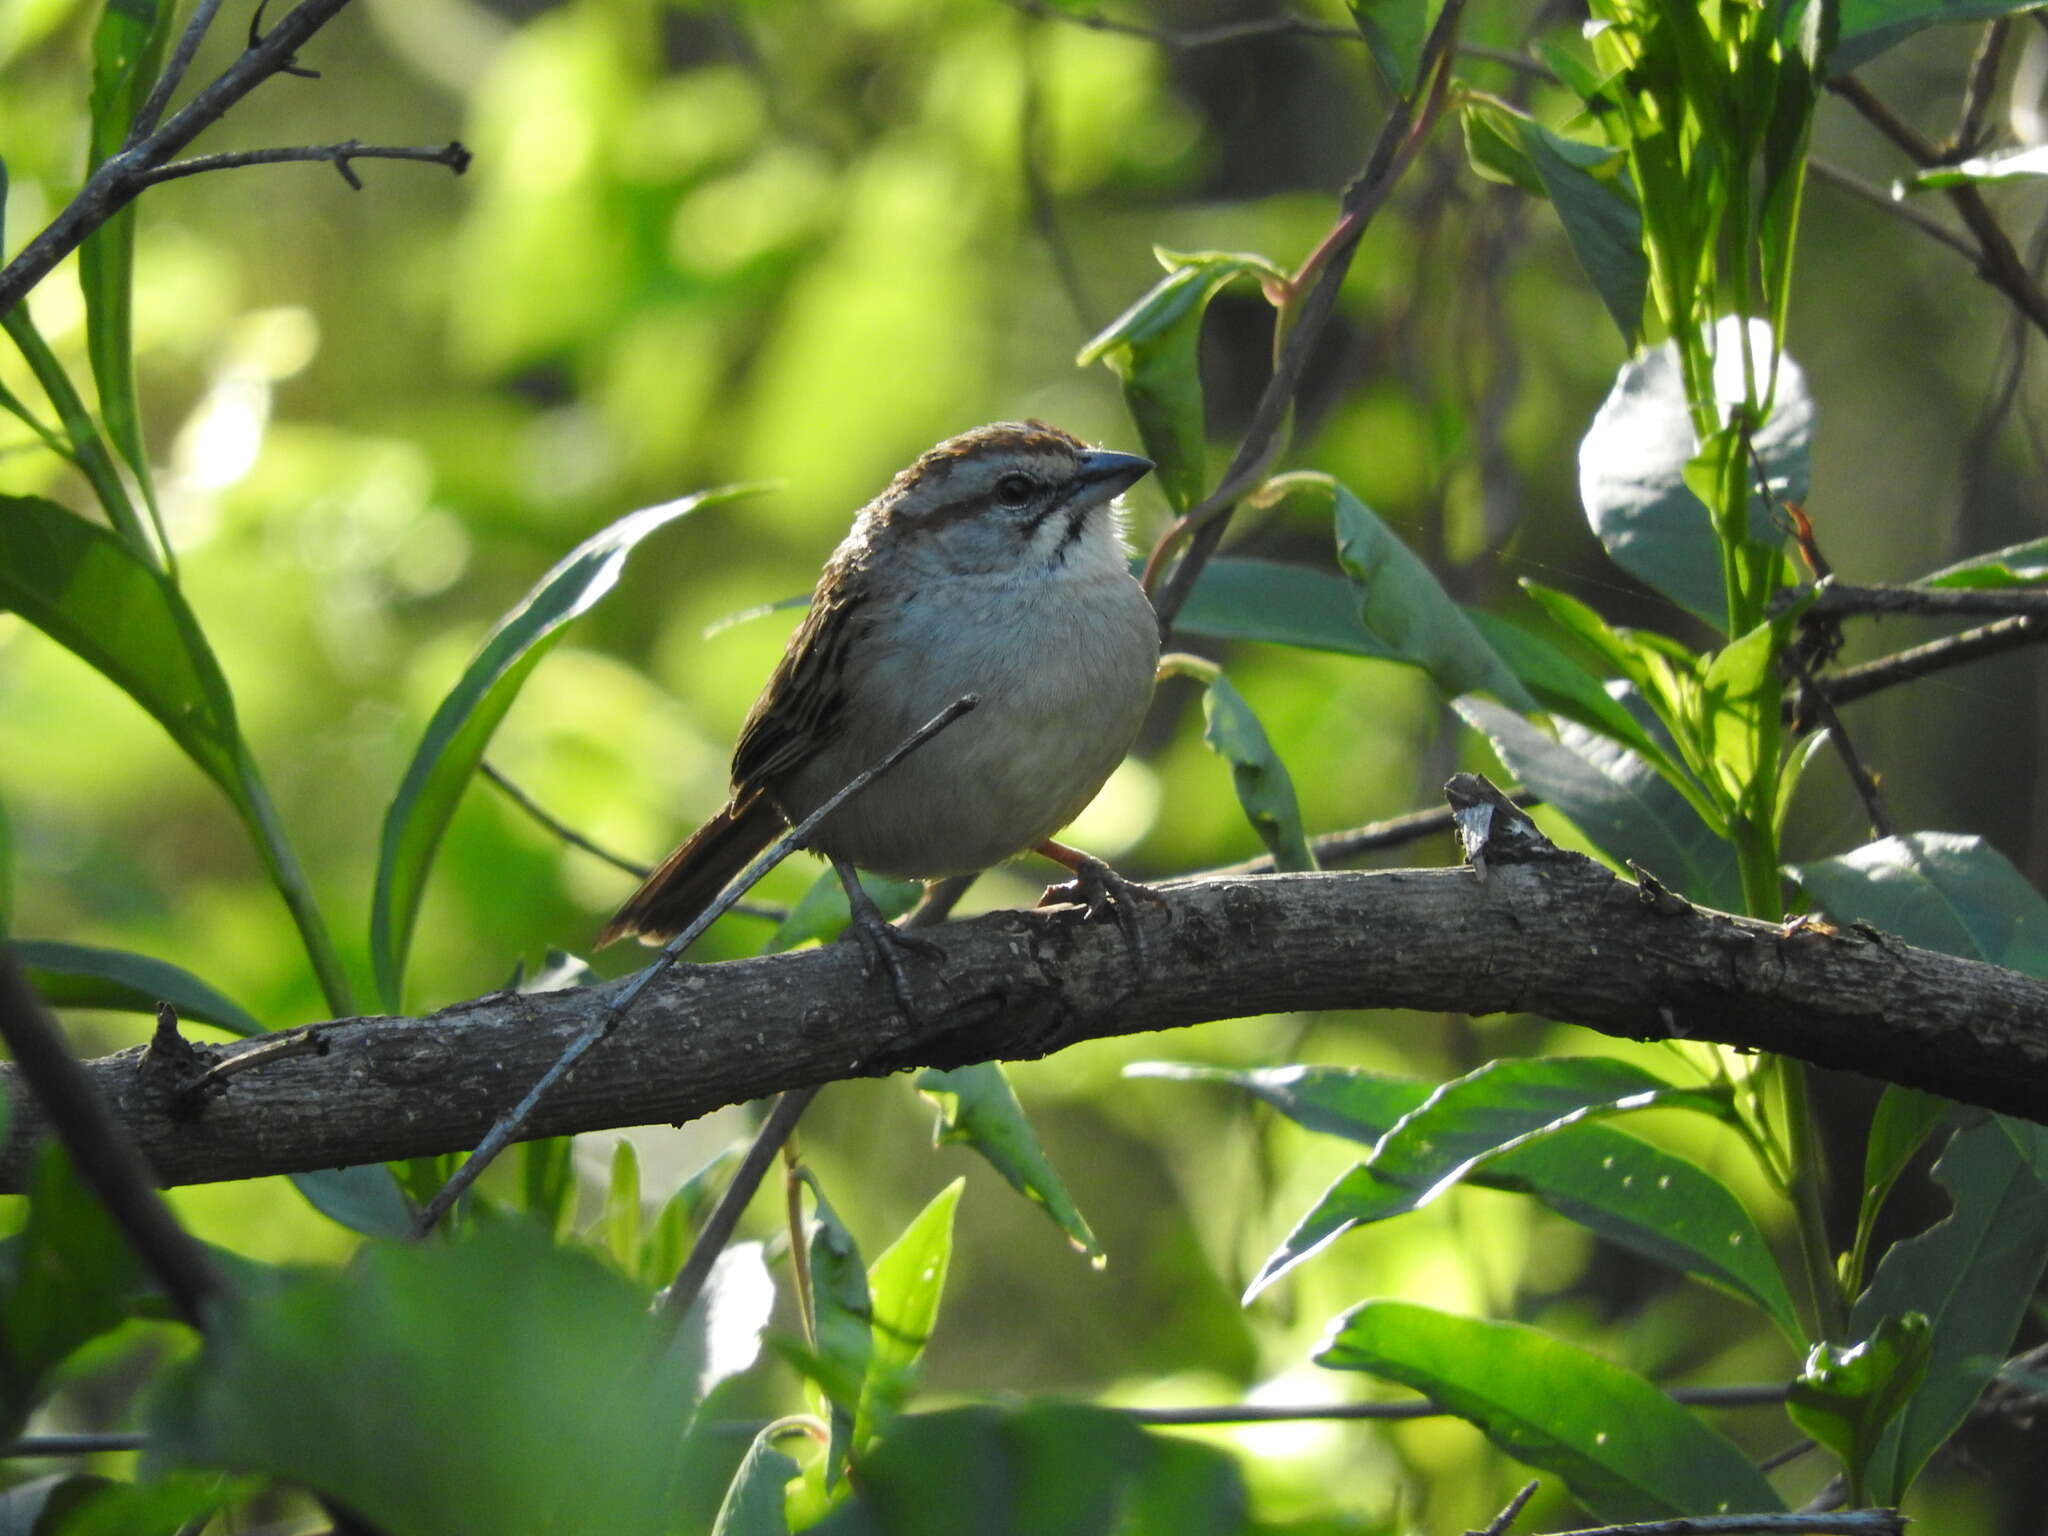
<point x="1014" y="489"/>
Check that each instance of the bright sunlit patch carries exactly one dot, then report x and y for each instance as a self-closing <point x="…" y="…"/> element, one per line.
<point x="1296" y="1438"/>
<point x="1120" y="815"/>
<point x="220" y="440"/>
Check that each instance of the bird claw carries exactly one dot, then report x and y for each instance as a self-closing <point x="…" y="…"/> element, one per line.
<point x="1105" y="893"/>
<point x="883" y="945"/>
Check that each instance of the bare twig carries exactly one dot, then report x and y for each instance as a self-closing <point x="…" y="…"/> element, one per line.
<point x="1812" y="696"/>
<point x="452" y="154"/>
<point x="159" y="97"/>
<point x="725" y="1217"/>
<point x="1850" y="1522"/>
<point x="560" y="828"/>
<point x="1341" y="847"/>
<point x="1858" y="682"/>
<point x="1840" y="600"/>
<point x="1498" y="1525"/>
<point x="305" y="1042"/>
<point x="514" y="1121"/>
<point x="1879" y="198"/>
<point x="116" y="181"/>
<point x="100" y="1148"/>
<point x="1978" y="85"/>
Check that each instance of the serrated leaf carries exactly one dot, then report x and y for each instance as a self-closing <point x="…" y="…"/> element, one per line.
<point x="1265" y="790"/>
<point x="565" y="1425"/>
<point x="1154" y="349"/>
<point x="1970" y="1275"/>
<point x="1633" y="458"/>
<point x="453" y="744"/>
<point x="1626" y="1451"/>
<point x="978" y="1108"/>
<point x="84" y="976"/>
<point x="1611" y="794"/>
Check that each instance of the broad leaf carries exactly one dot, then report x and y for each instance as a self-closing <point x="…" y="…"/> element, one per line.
<point x="1589" y="189"/>
<point x="1939" y="890"/>
<point x="978" y="1108"/>
<point x="1633" y="458"/>
<point x="454" y="742"/>
<point x="1154" y="348"/>
<point x="2017" y="565"/>
<point x="1970" y="1275"/>
<point x="83" y="976"/>
<point x="1611" y="794"/>
<point x="754" y="1500"/>
<point x="1264" y="788"/>
<point x="905" y="1285"/>
<point x="1626" y="1451"/>
<point x="1394" y="32"/>
<point x="1869" y="27"/>
<point x="1739" y="719"/>
<point x="371" y="1385"/>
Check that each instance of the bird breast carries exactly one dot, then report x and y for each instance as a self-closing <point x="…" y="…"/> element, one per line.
<point x="1063" y="663"/>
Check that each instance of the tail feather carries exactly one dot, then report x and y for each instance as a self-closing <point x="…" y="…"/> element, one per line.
<point x="690" y="879"/>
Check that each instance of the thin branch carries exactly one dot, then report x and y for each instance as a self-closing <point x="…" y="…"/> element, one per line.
<point x="152" y="109"/>
<point x="1761" y="1396"/>
<point x="1851" y="1522"/>
<point x="725" y="1217"/>
<point x="560" y="828"/>
<point x="1978" y="85"/>
<point x="1880" y="198"/>
<point x="1394" y="832"/>
<point x="1840" y="600"/>
<point x="513" y="1122"/>
<point x="1812" y="696"/>
<point x="452" y="154"/>
<point x="1859" y="682"/>
<point x="1283" y="25"/>
<point x="101" y="1150"/>
<point x="1498" y="1525"/>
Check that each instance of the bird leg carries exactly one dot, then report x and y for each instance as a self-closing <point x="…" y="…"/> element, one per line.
<point x="1103" y="892"/>
<point x="882" y="943"/>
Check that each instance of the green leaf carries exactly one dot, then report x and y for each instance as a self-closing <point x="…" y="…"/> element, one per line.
<point x="83" y="976"/>
<point x="621" y="1219"/>
<point x="905" y="1285"/>
<point x="547" y="1182"/>
<point x="754" y="1501"/>
<point x="1246" y="599"/>
<point x="455" y="738"/>
<point x="1611" y="794"/>
<point x="1633" y="458"/>
<point x="161" y="1507"/>
<point x="1846" y="1395"/>
<point x="1939" y="890"/>
<point x="1900" y="1126"/>
<point x="1401" y="604"/>
<point x="1264" y="788"/>
<point x="1588" y="186"/>
<point x="1394" y="33"/>
<point x="127" y="50"/>
<point x="1971" y="1275"/>
<point x="66" y="1278"/>
<point x="2017" y="565"/>
<point x="978" y="1108"/>
<point x="529" y="1367"/>
<point x="100" y="600"/>
<point x="1739" y="720"/>
<point x="1154" y="348"/>
<point x="1562" y="686"/>
<point x="1869" y="27"/>
<point x="1493" y="143"/>
<point x="365" y="1199"/>
<point x="1626" y="1451"/>
<point x="842" y="1324"/>
<point x="669" y="1238"/>
<point x="720" y="1335"/>
<point x="1338" y="1101"/>
<point x="821" y="912"/>
<point x="1046" y="1469"/>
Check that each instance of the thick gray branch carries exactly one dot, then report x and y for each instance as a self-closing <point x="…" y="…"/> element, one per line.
<point x="1556" y="936"/>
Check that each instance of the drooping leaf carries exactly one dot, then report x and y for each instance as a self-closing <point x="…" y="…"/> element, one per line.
<point x="371" y="1385"/>
<point x="978" y="1108"/>
<point x="1264" y="788"/>
<point x="1046" y="1469"/>
<point x="454" y="741"/>
<point x="1236" y="598"/>
<point x="1626" y="1451"/>
<point x="84" y="976"/>
<point x="1617" y="799"/>
<point x="1154" y="348"/>
<point x="905" y="1285"/>
<point x="1633" y="459"/>
<point x="1594" y="201"/>
<point x="1970" y="1275"/>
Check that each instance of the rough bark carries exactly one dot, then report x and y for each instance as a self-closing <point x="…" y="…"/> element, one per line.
<point x="1549" y="933"/>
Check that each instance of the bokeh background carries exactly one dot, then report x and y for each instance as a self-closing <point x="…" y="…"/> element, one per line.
<point x="799" y="242"/>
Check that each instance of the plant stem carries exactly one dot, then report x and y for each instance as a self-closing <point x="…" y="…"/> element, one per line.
<point x="260" y="816"/>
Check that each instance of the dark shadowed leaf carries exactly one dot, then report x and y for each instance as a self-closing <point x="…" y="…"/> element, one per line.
<point x="1869" y="27"/>
<point x="83" y="976"/>
<point x="454" y="742"/>
<point x="1940" y="890"/>
<point x="1244" y="599"/>
<point x="1394" y="31"/>
<point x="1633" y="458"/>
<point x="374" y="1384"/>
<point x="842" y="1323"/>
<point x="754" y="1500"/>
<point x="2017" y="565"/>
<point x="978" y="1108"/>
<point x="1264" y="788"/>
<point x="1626" y="1451"/>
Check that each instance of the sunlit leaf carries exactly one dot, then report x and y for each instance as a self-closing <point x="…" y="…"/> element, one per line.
<point x="1264" y="788"/>
<point x="1626" y="1451"/>
<point x="1633" y="459"/>
<point x="2017" y="565"/>
<point x="371" y="1385"/>
<point x="905" y="1285"/>
<point x="720" y="1335"/>
<point x="84" y="976"/>
<point x="1847" y="1394"/>
<point x="1739" y="719"/>
<point x="455" y="739"/>
<point x="1970" y="1275"/>
<point x="1154" y="348"/>
<point x="1939" y="890"/>
<point x="978" y="1108"/>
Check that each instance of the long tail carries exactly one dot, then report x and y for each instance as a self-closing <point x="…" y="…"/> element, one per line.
<point x="690" y="879"/>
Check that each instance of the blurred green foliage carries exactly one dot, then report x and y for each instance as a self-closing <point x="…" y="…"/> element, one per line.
<point x="706" y="244"/>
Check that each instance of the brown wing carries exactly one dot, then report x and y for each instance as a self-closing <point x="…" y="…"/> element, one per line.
<point x="803" y="707"/>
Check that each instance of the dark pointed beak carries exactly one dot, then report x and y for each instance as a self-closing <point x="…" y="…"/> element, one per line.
<point x="1104" y="473"/>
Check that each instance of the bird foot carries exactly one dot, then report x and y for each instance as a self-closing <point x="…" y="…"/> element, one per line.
<point x="883" y="945"/>
<point x="1105" y="893"/>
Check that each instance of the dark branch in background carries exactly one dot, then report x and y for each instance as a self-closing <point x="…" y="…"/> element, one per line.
<point x="1978" y="85"/>
<point x="1510" y="1511"/>
<point x="725" y="1217"/>
<point x="451" y="154"/>
<point x="1879" y="198"/>
<point x="1849" y="1522"/>
<point x="116" y="181"/>
<point x="1808" y="695"/>
<point x="1375" y="836"/>
<point x="1998" y="263"/>
<point x="1539" y="932"/>
<point x="1853" y="683"/>
<point x="1838" y="600"/>
<point x="69" y="1099"/>
<point x="1283" y="25"/>
<point x="1762" y="1396"/>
